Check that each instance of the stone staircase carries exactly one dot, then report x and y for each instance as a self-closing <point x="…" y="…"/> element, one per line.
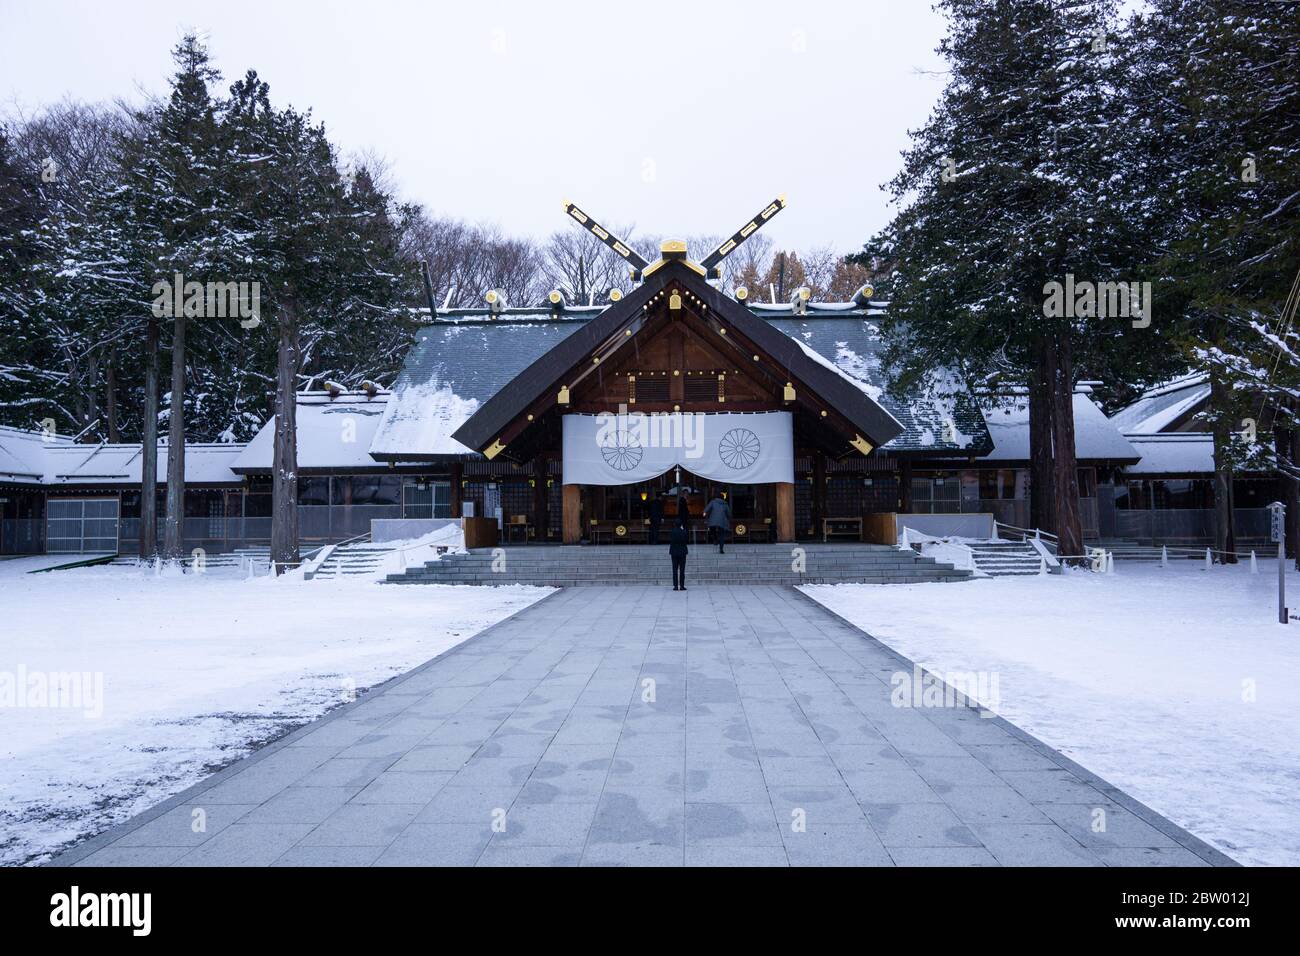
<point x="1000" y="559"/>
<point x="747" y="564"/>
<point x="350" y="560"/>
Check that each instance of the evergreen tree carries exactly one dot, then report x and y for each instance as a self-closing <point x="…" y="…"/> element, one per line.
<point x="1214" y="164"/>
<point x="1004" y="191"/>
<point x="179" y="186"/>
<point x="325" y="254"/>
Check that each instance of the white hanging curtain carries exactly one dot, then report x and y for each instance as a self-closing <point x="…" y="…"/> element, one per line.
<point x="611" y="449"/>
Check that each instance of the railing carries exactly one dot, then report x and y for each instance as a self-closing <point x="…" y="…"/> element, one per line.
<point x="324" y="552"/>
<point x="1012" y="533"/>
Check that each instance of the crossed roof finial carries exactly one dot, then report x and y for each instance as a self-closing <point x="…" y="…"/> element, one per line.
<point x="675" y="248"/>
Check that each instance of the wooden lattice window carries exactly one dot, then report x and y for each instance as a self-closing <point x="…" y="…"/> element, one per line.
<point x="651" y="388"/>
<point x="702" y="388"/>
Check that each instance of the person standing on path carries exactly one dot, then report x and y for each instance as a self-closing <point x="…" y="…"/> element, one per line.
<point x="677" y="550"/>
<point x="718" y="514"/>
<point x="656" y="518"/>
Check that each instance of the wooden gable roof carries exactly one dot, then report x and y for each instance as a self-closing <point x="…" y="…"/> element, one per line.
<point x="486" y="429"/>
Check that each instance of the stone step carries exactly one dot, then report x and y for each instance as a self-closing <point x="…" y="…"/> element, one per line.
<point x="742" y="565"/>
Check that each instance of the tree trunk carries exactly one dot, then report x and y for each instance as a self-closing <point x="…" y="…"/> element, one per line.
<point x="1069" y="530"/>
<point x="149" y="446"/>
<point x="1225" y="536"/>
<point x="110" y="402"/>
<point x="284" y="468"/>
<point x="1042" y="503"/>
<point x="91" y="417"/>
<point x="174" y="528"/>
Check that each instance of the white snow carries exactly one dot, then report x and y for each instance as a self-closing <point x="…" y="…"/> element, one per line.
<point x="1175" y="684"/>
<point x="1158" y="408"/>
<point x="935" y="408"/>
<point x="28" y="457"/>
<point x="1095" y="437"/>
<point x="872" y="392"/>
<point x="1173" y="453"/>
<point x="331" y="433"/>
<point x="405" y="553"/>
<point x="25" y="454"/>
<point x="420" y="420"/>
<point x="196" y="671"/>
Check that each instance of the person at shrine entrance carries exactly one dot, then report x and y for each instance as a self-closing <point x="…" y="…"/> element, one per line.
<point x="718" y="514"/>
<point x="677" y="551"/>
<point x="656" y="518"/>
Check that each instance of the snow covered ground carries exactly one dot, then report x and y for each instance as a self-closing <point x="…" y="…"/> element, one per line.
<point x="169" y="677"/>
<point x="1177" y="684"/>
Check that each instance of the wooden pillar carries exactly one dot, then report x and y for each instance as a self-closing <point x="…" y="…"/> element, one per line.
<point x="572" y="517"/>
<point x="905" y="486"/>
<point x="539" y="497"/>
<point x="455" y="490"/>
<point x="784" y="511"/>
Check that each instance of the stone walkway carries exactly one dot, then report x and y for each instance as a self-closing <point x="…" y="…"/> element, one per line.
<point x="603" y="726"/>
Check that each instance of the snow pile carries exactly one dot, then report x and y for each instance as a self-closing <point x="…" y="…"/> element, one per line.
<point x="1176" y="684"/>
<point x="413" y="552"/>
<point x="196" y="670"/>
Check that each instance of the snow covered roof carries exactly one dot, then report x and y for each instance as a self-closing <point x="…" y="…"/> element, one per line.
<point x="1161" y="408"/>
<point x="1173" y="453"/>
<point x="24" y="455"/>
<point x="333" y="433"/>
<point x="1095" y="437"/>
<point x="940" y="416"/>
<point x="458" y="363"/>
<point x="106" y="464"/>
<point x="29" y="457"/>
<point x="455" y="366"/>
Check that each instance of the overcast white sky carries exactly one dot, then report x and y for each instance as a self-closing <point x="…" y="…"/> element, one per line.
<point x="679" y="117"/>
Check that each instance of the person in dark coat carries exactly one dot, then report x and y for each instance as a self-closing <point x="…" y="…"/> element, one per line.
<point x="656" y="518"/>
<point x="718" y="514"/>
<point x="683" y="512"/>
<point x="677" y="550"/>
